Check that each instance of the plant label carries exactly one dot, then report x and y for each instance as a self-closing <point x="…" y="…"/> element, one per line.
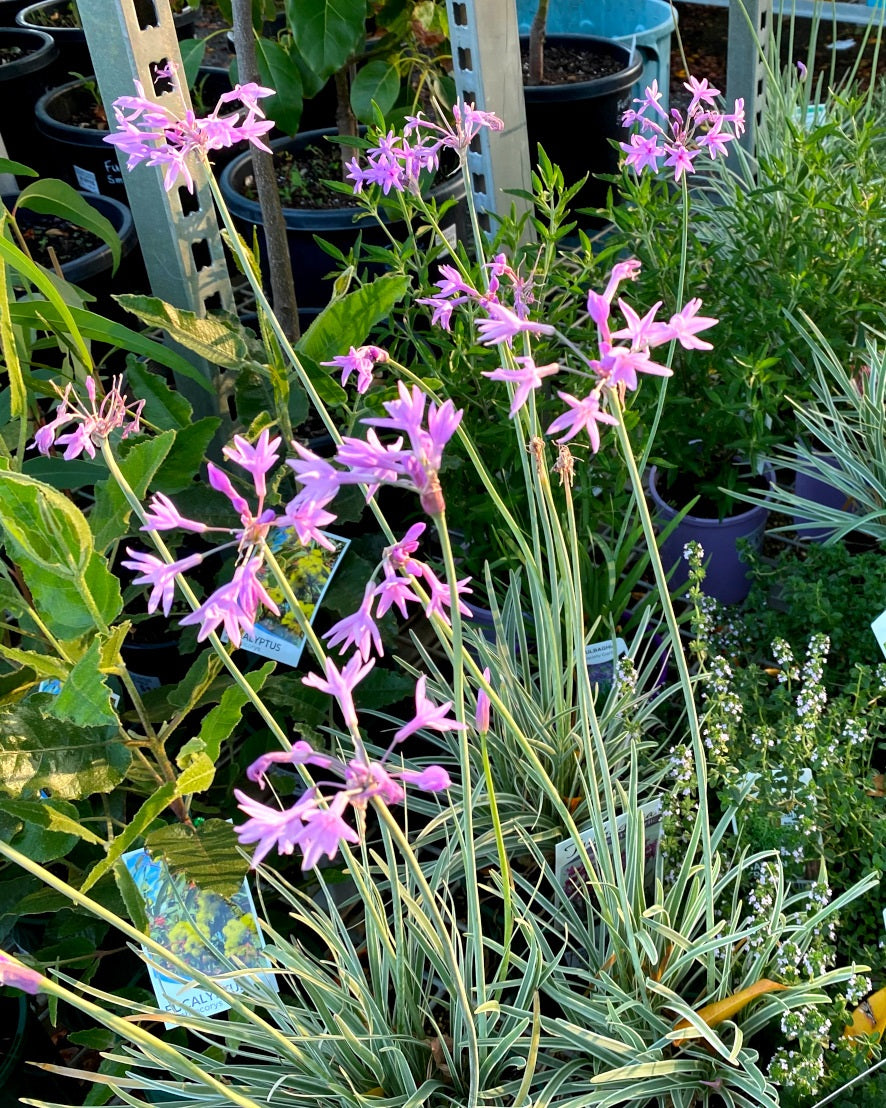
<point x="879" y="629"/>
<point x="219" y="936"/>
<point x="309" y="571"/>
<point x="569" y="871"/>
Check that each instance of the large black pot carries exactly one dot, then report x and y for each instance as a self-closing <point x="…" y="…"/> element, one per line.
<point x="92" y="270"/>
<point x="577" y="123"/>
<point x="339" y="226"/>
<point x="22" y="81"/>
<point x="73" y="52"/>
<point x="71" y="151"/>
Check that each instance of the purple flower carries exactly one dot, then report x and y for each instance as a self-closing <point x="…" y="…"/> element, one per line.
<point x="358" y="630"/>
<point x="503" y="325"/>
<point x="528" y="377"/>
<point x="467" y="124"/>
<point x="148" y="132"/>
<point x="395" y="592"/>
<point x="582" y="415"/>
<point x="269" y="826"/>
<point x="441" y="596"/>
<point x="324" y="831"/>
<point x="257" y="459"/>
<point x="399" y="556"/>
<point x="301" y="753"/>
<point x="360" y="360"/>
<point x="162" y="515"/>
<point x="687" y="323"/>
<point x="306" y="516"/>
<point x="94" y="423"/>
<point x="159" y="575"/>
<point x="678" y="138"/>
<point x="315" y="823"/>
<point x="234" y="605"/>
<point x="18" y="976"/>
<point x="341" y="684"/>
<point x="428" y="716"/>
<point x="317" y="475"/>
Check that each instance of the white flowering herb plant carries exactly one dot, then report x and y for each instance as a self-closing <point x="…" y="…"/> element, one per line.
<point x="453" y="968"/>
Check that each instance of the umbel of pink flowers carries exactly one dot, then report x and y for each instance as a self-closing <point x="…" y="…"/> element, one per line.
<point x="675" y="139"/>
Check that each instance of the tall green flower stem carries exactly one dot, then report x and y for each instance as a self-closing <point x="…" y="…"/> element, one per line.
<point x="189" y="595"/>
<point x="476" y="941"/>
<point x="669" y="360"/>
<point x="702" y="828"/>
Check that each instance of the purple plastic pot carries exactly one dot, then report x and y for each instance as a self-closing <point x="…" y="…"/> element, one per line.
<point x="821" y="492"/>
<point x="726" y="577"/>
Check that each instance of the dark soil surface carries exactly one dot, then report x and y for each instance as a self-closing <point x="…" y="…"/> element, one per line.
<point x="567" y="66"/>
<point x="703" y="31"/>
<point x="13" y="53"/>
<point x="212" y="26"/>
<point x="300" y="177"/>
<point x="62" y="15"/>
<point x="45" y="233"/>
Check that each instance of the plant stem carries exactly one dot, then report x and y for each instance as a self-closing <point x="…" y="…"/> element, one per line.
<point x="282" y="286"/>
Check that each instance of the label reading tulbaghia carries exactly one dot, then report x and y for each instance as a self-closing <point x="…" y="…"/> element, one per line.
<point x="569" y="870"/>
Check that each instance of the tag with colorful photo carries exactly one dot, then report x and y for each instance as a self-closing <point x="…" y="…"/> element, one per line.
<point x="219" y="936"/>
<point x="309" y="570"/>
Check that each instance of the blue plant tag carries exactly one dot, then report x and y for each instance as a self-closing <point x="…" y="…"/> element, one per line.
<point x="879" y="628"/>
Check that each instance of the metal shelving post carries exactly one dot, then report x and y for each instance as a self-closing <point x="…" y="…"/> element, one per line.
<point x="486" y="66"/>
<point x="750" y="25"/>
<point x="178" y="231"/>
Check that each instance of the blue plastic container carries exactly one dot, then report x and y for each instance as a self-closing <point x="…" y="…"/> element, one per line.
<point x="645" y="23"/>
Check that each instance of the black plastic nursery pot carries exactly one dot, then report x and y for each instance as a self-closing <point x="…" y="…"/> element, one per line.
<point x="77" y="153"/>
<point x="23" y="80"/>
<point x="92" y="270"/>
<point x="339" y="226"/>
<point x="53" y="17"/>
<point x="577" y="123"/>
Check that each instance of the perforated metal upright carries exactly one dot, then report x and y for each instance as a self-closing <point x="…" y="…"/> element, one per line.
<point x="750" y="25"/>
<point x="178" y="231"/>
<point x="486" y="66"/>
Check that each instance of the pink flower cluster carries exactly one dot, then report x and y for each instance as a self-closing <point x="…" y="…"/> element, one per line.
<point x="234" y="605"/>
<point x="148" y="132"/>
<point x="316" y="823"/>
<point x="676" y="138"/>
<point x="18" y="976"/>
<point x="93" y="424"/>
<point x="396" y="163"/>
<point x="502" y="323"/>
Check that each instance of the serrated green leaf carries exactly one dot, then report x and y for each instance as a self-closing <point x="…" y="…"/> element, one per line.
<point x="85" y="698"/>
<point x="137" y="826"/>
<point x="53" y="197"/>
<point x="132" y="897"/>
<point x="39" y="752"/>
<point x="96" y="1038"/>
<point x="182" y="694"/>
<point x="328" y="33"/>
<point x="219" y="723"/>
<point x="110" y="515"/>
<point x="347" y="322"/>
<point x="377" y="81"/>
<point x="43" y="664"/>
<point x="197" y="776"/>
<point x="61" y="602"/>
<point x="206" y="855"/>
<point x="45" y="526"/>
<point x="42" y="845"/>
<point x="165" y="408"/>
<point x="277" y="70"/>
<point x="219" y="340"/>
<point x="55" y="815"/>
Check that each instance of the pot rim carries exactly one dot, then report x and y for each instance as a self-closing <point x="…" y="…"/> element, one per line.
<point x="41" y="57"/>
<point x="749" y="513"/>
<point x="624" y="79"/>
